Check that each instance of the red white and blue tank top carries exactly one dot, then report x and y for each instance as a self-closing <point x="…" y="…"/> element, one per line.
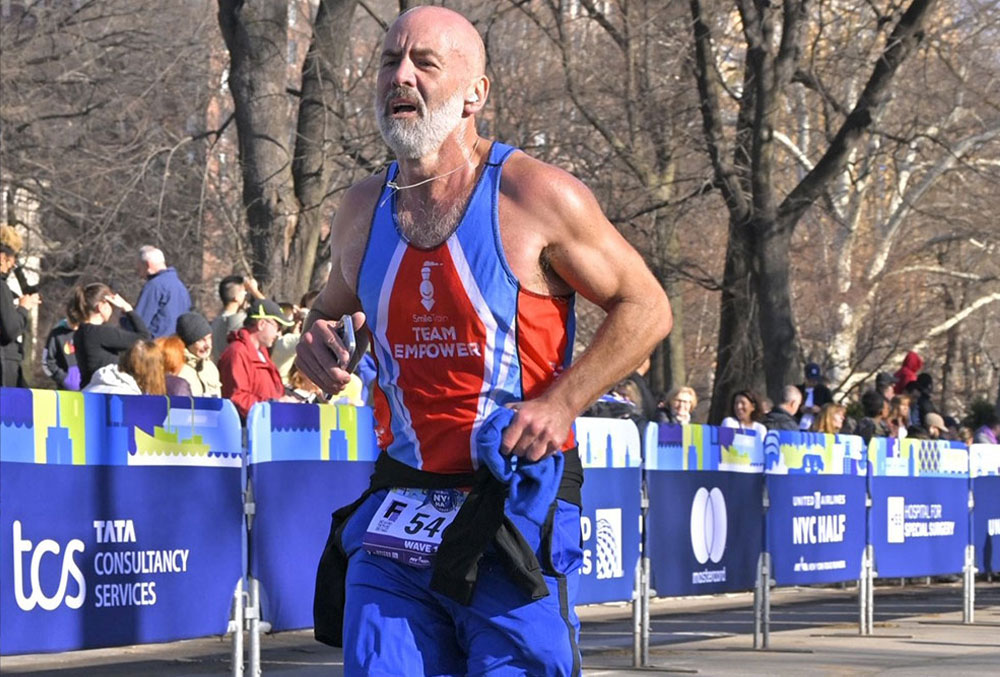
<point x="453" y="333"/>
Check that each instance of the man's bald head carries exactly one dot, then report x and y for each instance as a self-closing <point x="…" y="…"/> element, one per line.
<point x="458" y="31"/>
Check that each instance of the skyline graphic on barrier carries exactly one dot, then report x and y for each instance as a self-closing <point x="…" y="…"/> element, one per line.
<point x="74" y="428"/>
<point x="608" y="443"/>
<point x="788" y="452"/>
<point x="984" y="460"/>
<point x="284" y="431"/>
<point x="910" y="457"/>
<point x="703" y="447"/>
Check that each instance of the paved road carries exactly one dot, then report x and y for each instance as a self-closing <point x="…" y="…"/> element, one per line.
<point x="918" y="632"/>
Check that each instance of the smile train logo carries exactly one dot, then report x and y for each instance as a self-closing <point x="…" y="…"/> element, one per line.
<point x="426" y="286"/>
<point x="708" y="525"/>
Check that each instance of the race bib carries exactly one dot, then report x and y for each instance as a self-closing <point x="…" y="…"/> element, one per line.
<point x="408" y="525"/>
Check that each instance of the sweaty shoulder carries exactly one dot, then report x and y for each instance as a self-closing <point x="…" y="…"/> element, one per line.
<point x="351" y="225"/>
<point x="543" y="210"/>
<point x="544" y="189"/>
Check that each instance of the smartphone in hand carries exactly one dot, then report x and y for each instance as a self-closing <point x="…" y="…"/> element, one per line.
<point x="346" y="333"/>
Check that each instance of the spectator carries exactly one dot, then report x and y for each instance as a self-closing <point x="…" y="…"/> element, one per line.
<point x="965" y="435"/>
<point x="199" y="371"/>
<point x="899" y="416"/>
<point x="164" y="297"/>
<point x="885" y="384"/>
<point x="875" y="409"/>
<point x="13" y="314"/>
<point x="744" y="413"/>
<point x="989" y="431"/>
<point x="830" y="419"/>
<point x="139" y="371"/>
<point x="233" y="292"/>
<point x="912" y="364"/>
<point x="615" y="403"/>
<point x="172" y="348"/>
<point x="59" y="354"/>
<point x="782" y="417"/>
<point x="283" y="351"/>
<point x="645" y="401"/>
<point x="248" y="374"/>
<point x="679" y="405"/>
<point x="936" y="427"/>
<point x="303" y="389"/>
<point x="814" y="395"/>
<point x="925" y="405"/>
<point x="97" y="342"/>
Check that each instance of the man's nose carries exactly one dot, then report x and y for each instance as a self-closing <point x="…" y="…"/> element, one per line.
<point x="403" y="75"/>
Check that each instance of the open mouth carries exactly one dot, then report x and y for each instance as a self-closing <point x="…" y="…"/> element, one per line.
<point x="403" y="107"/>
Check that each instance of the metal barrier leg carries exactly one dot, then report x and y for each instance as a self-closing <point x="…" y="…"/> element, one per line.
<point x="766" y="580"/>
<point x="757" y="602"/>
<point x="870" y="589"/>
<point x="969" y="585"/>
<point x="645" y="610"/>
<point x="637" y="618"/>
<point x="253" y="616"/>
<point x="236" y="627"/>
<point x="863" y="593"/>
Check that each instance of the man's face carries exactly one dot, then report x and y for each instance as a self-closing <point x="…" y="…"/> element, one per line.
<point x="202" y="348"/>
<point x="7" y="263"/>
<point x="421" y="87"/>
<point x="267" y="332"/>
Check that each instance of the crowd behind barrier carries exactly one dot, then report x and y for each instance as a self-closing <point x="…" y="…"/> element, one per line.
<point x="122" y="517"/>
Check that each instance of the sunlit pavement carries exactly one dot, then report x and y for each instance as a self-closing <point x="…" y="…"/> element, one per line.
<point x="814" y="631"/>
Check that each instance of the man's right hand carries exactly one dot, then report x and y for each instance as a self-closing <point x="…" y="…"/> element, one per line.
<point x="322" y="356"/>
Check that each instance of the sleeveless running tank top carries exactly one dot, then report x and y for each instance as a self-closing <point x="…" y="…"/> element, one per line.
<point x="453" y="333"/>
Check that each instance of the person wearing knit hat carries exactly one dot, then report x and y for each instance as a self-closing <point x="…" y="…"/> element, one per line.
<point x="198" y="370"/>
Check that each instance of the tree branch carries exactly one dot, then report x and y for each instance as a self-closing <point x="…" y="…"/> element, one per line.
<point x="905" y="37"/>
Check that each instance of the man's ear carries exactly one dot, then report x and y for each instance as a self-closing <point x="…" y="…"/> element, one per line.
<point x="475" y="97"/>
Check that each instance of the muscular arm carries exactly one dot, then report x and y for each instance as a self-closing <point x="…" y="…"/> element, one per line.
<point x="560" y="219"/>
<point x="320" y="353"/>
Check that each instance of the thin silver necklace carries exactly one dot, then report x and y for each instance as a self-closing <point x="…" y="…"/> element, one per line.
<point x="395" y="186"/>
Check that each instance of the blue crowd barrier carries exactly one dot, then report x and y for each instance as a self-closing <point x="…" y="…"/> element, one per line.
<point x="705" y="522"/>
<point x="611" y="452"/>
<point x="984" y="466"/>
<point x="920" y="506"/>
<point x="121" y="519"/>
<point x="816" y="519"/>
<point x="305" y="461"/>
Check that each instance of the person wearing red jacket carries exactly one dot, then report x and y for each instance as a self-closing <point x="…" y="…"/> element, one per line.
<point x="247" y="372"/>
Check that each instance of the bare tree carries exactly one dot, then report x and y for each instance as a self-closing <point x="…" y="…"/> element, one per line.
<point x="757" y="286"/>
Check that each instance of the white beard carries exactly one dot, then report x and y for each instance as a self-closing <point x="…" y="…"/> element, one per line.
<point x="414" y="139"/>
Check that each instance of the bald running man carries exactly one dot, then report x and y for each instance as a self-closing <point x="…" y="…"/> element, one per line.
<point x="461" y="262"/>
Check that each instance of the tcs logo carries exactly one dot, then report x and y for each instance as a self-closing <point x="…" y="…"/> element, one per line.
<point x="70" y="568"/>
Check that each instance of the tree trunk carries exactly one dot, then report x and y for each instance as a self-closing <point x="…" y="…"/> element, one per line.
<point x="256" y="35"/>
<point x="318" y="134"/>
<point x="777" y="323"/>
<point x="738" y="361"/>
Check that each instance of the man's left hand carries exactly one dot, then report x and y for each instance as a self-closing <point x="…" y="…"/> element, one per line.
<point x="539" y="429"/>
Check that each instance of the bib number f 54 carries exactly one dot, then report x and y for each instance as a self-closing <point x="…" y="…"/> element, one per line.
<point x="408" y="525"/>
